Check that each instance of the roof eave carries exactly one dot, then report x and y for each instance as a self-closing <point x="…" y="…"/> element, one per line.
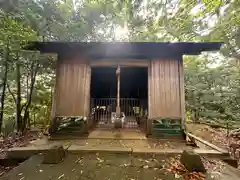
<point x="138" y="49"/>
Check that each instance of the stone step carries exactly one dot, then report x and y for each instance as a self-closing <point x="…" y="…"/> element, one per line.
<point x="166" y="136"/>
<point x="60" y="137"/>
<point x="71" y="131"/>
<point x="74" y="133"/>
<point x="74" y="126"/>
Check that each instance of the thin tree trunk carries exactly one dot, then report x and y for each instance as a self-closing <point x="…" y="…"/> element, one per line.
<point x="18" y="99"/>
<point x="4" y="88"/>
<point x="28" y="119"/>
<point x="28" y="103"/>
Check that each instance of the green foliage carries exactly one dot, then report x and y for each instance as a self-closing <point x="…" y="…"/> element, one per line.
<point x="212" y="93"/>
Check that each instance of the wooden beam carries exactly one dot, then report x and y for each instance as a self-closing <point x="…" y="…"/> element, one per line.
<point x="115" y="63"/>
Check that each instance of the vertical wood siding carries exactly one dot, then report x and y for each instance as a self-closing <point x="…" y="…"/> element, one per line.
<point x="164" y="89"/>
<point x="73" y="87"/>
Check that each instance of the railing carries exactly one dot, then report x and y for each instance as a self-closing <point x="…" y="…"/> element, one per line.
<point x="102" y="109"/>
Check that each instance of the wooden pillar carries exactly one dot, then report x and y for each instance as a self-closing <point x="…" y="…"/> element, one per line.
<point x="182" y="92"/>
<point x="149" y="118"/>
<point x="118" y="110"/>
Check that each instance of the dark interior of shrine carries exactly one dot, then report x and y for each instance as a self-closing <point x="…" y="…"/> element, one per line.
<point x="133" y="82"/>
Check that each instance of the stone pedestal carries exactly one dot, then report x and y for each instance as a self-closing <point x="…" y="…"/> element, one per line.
<point x="118" y="123"/>
<point x="192" y="162"/>
<point x="118" y="111"/>
<point x="55" y="155"/>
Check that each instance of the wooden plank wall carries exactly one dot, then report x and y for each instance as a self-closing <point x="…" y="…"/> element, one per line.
<point x="73" y="87"/>
<point x="164" y="89"/>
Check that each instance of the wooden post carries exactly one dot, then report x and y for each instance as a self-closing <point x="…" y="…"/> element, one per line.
<point x="149" y="121"/>
<point x="182" y="92"/>
<point x="118" y="110"/>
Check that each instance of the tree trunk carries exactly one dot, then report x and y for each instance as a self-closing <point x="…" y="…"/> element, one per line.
<point x="28" y="103"/>
<point x="196" y="115"/>
<point x="4" y="88"/>
<point x="18" y="99"/>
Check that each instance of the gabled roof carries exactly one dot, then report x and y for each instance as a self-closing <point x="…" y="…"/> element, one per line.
<point x="138" y="50"/>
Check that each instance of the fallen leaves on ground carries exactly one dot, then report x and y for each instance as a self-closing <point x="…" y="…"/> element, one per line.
<point x="4" y="169"/>
<point x="174" y="165"/>
<point x="15" y="141"/>
<point x="18" y="140"/>
<point x="154" y="143"/>
<point x="217" y="136"/>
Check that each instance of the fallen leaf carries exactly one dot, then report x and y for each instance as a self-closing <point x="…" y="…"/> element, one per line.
<point x="145" y="167"/>
<point x="126" y="165"/>
<point x="78" y="160"/>
<point x="61" y="176"/>
<point x="100" y="160"/>
<point x="177" y="176"/>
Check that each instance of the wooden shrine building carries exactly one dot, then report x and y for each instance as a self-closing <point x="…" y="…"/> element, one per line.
<point x="148" y="88"/>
